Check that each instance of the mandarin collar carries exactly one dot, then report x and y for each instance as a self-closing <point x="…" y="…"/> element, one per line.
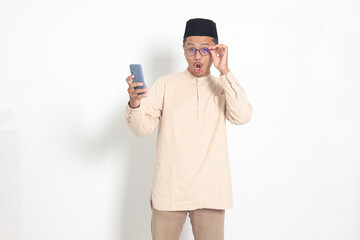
<point x="194" y="78"/>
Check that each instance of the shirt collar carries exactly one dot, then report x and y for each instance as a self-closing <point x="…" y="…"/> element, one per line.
<point x="194" y="78"/>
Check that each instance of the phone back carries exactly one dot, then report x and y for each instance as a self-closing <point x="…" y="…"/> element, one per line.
<point x="136" y="70"/>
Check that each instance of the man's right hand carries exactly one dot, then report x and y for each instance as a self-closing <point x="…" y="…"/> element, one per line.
<point x="133" y="93"/>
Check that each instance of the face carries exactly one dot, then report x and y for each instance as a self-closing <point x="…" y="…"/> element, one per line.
<point x="198" y="65"/>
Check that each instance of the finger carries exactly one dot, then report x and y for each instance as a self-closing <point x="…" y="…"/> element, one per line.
<point x="218" y="47"/>
<point x="215" y="52"/>
<point x="136" y="84"/>
<point x="129" y="79"/>
<point x="218" y="50"/>
<point x="133" y="85"/>
<point x="212" y="48"/>
<point x="141" y="90"/>
<point x="139" y="97"/>
<point x="221" y="46"/>
<point x="214" y="55"/>
<point x="225" y="49"/>
<point x="222" y="50"/>
<point x="135" y="92"/>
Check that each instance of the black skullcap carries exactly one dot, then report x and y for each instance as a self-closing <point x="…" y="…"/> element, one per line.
<point x="200" y="27"/>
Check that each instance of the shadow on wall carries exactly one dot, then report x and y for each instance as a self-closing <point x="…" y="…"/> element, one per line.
<point x="132" y="220"/>
<point x="136" y="211"/>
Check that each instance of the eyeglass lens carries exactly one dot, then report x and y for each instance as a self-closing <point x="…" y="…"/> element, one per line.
<point x="203" y="51"/>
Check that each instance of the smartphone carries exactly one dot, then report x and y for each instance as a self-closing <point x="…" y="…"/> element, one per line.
<point x="136" y="70"/>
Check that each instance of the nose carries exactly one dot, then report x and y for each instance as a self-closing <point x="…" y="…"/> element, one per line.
<point x="197" y="55"/>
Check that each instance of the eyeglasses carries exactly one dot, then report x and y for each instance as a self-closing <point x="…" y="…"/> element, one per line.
<point x="192" y="51"/>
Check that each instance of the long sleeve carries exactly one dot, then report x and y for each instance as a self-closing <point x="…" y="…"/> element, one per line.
<point x="143" y="120"/>
<point x="238" y="109"/>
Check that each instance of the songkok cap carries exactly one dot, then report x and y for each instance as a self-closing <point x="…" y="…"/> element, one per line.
<point x="200" y="27"/>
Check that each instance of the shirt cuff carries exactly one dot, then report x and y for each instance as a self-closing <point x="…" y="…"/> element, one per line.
<point x="133" y="111"/>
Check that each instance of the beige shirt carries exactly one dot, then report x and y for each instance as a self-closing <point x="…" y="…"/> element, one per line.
<point x="191" y="168"/>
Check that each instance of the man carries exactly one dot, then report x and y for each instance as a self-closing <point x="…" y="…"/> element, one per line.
<point x="191" y="171"/>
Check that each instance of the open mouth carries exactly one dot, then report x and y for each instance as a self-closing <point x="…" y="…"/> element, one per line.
<point x="198" y="67"/>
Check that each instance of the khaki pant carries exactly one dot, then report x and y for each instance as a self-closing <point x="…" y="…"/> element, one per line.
<point x="207" y="224"/>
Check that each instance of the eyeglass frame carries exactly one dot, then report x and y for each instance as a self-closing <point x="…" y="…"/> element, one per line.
<point x="197" y="49"/>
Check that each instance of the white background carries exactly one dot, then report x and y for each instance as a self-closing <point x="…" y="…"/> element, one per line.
<point x="71" y="169"/>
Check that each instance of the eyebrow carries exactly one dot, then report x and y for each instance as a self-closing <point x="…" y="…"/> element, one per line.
<point x="200" y="44"/>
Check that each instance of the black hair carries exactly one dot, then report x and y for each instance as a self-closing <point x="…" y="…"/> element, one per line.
<point x="215" y="40"/>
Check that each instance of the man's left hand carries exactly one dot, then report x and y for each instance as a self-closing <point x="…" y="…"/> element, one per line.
<point x="219" y="54"/>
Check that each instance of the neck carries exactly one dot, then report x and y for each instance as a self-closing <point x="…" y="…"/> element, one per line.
<point x="197" y="79"/>
<point x="199" y="75"/>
